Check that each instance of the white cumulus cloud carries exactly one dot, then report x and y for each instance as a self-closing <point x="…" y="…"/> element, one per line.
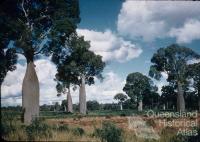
<point x="149" y="20"/>
<point x="12" y="85"/>
<point x="110" y="46"/>
<point x="188" y="32"/>
<point x="46" y="70"/>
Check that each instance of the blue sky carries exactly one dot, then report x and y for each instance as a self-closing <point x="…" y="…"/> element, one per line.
<point x="126" y="34"/>
<point x="100" y="15"/>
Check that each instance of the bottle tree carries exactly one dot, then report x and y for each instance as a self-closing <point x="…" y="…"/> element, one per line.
<point x="121" y="98"/>
<point x="137" y="85"/>
<point x="66" y="78"/>
<point x="38" y="23"/>
<point x="79" y="68"/>
<point x="173" y="61"/>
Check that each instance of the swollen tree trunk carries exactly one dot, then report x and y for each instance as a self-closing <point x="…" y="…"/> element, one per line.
<point x="140" y="104"/>
<point x="121" y="107"/>
<point x="82" y="96"/>
<point x="69" y="102"/>
<point x="180" y="98"/>
<point x="30" y="94"/>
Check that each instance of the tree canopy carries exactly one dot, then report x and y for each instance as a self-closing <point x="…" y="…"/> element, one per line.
<point x="120" y="97"/>
<point x="173" y="60"/>
<point x="168" y="97"/>
<point x="80" y="60"/>
<point x="37" y="23"/>
<point x="138" y="85"/>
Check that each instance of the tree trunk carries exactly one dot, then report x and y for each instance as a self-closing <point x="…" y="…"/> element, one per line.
<point x="69" y="101"/>
<point x="121" y="107"/>
<point x="82" y="96"/>
<point x="140" y="105"/>
<point x="199" y="99"/>
<point x="180" y="98"/>
<point x="30" y="94"/>
<point x="199" y="103"/>
<point x="0" y="88"/>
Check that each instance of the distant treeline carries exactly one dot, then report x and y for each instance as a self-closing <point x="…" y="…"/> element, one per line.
<point x="152" y="102"/>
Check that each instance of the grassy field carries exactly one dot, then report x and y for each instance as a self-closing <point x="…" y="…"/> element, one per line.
<point x="96" y="126"/>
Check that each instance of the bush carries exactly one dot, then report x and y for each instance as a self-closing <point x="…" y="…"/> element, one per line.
<point x="178" y="138"/>
<point x="109" y="132"/>
<point x="181" y="138"/>
<point x="151" y="122"/>
<point x="7" y="123"/>
<point x="194" y="138"/>
<point x="38" y="129"/>
<point x="123" y="114"/>
<point x="78" y="131"/>
<point x="63" y="127"/>
<point x="93" y="105"/>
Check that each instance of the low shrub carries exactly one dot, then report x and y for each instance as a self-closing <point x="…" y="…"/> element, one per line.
<point x="78" y="131"/>
<point x="38" y="129"/>
<point x="177" y="138"/>
<point x="63" y="127"/>
<point x="151" y="122"/>
<point x="109" y="132"/>
<point x="7" y="124"/>
<point x="123" y="114"/>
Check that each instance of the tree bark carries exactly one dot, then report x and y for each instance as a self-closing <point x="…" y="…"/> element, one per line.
<point x="82" y="96"/>
<point x="199" y="103"/>
<point x="121" y="107"/>
<point x="140" y="105"/>
<point x="30" y="94"/>
<point x="0" y="88"/>
<point x="180" y="98"/>
<point x="69" y="101"/>
<point x="199" y="99"/>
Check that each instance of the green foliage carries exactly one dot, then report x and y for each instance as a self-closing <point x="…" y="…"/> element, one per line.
<point x="7" y="123"/>
<point x="109" y="106"/>
<point x="78" y="131"/>
<point x="120" y="97"/>
<point x="151" y="100"/>
<point x="8" y="59"/>
<point x="63" y="127"/>
<point x="178" y="138"/>
<point x="64" y="105"/>
<point x="168" y="97"/>
<point x="191" y="97"/>
<point x="93" y="105"/>
<point x="38" y="129"/>
<point x="109" y="132"/>
<point x="138" y="85"/>
<point x="80" y="61"/>
<point x="130" y="104"/>
<point x="38" y="26"/>
<point x="151" y="122"/>
<point x="173" y="61"/>
<point x="194" y="73"/>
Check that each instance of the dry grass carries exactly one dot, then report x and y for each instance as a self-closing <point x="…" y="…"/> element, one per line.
<point x="89" y="124"/>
